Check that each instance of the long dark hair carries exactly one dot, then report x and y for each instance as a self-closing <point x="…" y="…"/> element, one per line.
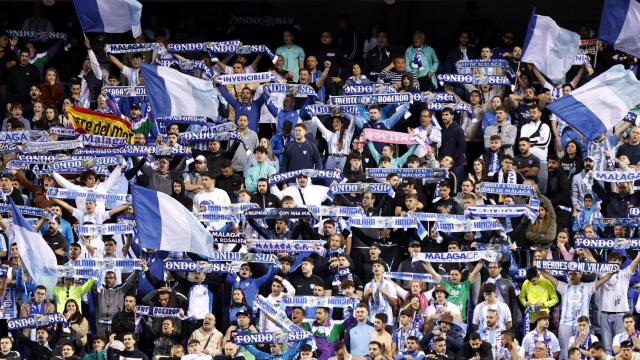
<point x="77" y="316"/>
<point x="343" y="129"/>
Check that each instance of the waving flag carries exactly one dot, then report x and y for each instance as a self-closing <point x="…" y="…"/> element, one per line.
<point x="173" y="93"/>
<point x="109" y="16"/>
<point x="551" y="48"/>
<point x="620" y="25"/>
<point x="36" y="255"/>
<point x="600" y="104"/>
<point x="163" y="223"/>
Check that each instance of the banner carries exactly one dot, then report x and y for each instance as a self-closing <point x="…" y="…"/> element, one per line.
<point x="134" y="150"/>
<point x="521" y="274"/>
<point x="507" y="189"/>
<point x="277" y="213"/>
<point x="45" y="170"/>
<point x="387" y="136"/>
<point x="35" y="321"/>
<point x="457" y="257"/>
<point x="399" y="98"/>
<point x="92" y="122"/>
<point x="270" y="338"/>
<point x="469" y="226"/>
<point x="503" y="211"/>
<point x="29" y="211"/>
<point x="125" y="91"/>
<point x="64" y="133"/>
<point x="220" y="47"/>
<point x="467" y="66"/>
<point x="102" y="141"/>
<point x="63" y="271"/>
<point x="32" y="147"/>
<point x="188" y="138"/>
<point x="360" y="188"/>
<point x="472" y="79"/>
<point x="408" y="276"/>
<point x="159" y="312"/>
<point x="59" y="193"/>
<point x="573" y="266"/>
<point x="201" y="120"/>
<point x="252" y="78"/>
<point x="231" y="209"/>
<point x="614" y="176"/>
<point x="634" y="212"/>
<point x="322" y="109"/>
<point x="417" y="173"/>
<point x="129" y="48"/>
<point x="225" y="256"/>
<point x="607" y="243"/>
<point x="297" y="90"/>
<point x="312" y="173"/>
<point x="197" y="266"/>
<point x="288" y="246"/>
<point x="318" y="301"/>
<point x="458" y="107"/>
<point x="431" y="217"/>
<point x="187" y="65"/>
<point x="336" y="211"/>
<point x="22" y="136"/>
<point x="433" y="97"/>
<point x="105" y="229"/>
<point x="228" y="238"/>
<point x="266" y="20"/>
<point x="277" y="316"/>
<point x="9" y="148"/>
<point x="388" y="222"/>
<point x="368" y="89"/>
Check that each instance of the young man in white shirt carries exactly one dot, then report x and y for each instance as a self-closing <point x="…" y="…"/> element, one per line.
<point x="211" y="194"/>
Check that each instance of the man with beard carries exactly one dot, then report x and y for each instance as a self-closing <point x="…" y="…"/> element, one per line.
<point x="38" y="349"/>
<point x="558" y="190"/>
<point x="521" y="106"/>
<point x="124" y="322"/>
<point x="578" y="187"/>
<point x="476" y="349"/>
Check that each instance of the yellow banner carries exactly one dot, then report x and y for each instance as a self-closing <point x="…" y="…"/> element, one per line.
<point x="86" y="121"/>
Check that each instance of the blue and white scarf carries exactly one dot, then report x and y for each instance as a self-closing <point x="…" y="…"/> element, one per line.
<point x="289" y="246"/>
<point x="297" y="90"/>
<point x="399" y="98"/>
<point x="607" y="243"/>
<point x="35" y="321"/>
<point x="467" y="66"/>
<point x="457" y="256"/>
<point x="471" y="79"/>
<point x="278" y="316"/>
<point x="469" y="226"/>
<point x="125" y="91"/>
<point x="360" y="188"/>
<point x="583" y="267"/>
<point x="322" y="109"/>
<point x="503" y="211"/>
<point x="135" y="150"/>
<point x="312" y="173"/>
<point x="105" y="229"/>
<point x="232" y="79"/>
<point x="130" y="48"/>
<point x="415" y="173"/>
<point x="32" y="147"/>
<point x="270" y="338"/>
<point x="200" y="120"/>
<point x="102" y="141"/>
<point x="408" y="276"/>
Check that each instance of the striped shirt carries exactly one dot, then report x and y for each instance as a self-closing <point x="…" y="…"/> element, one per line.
<point x="575" y="301"/>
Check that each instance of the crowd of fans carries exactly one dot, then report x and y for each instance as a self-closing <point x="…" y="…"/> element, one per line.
<point x="482" y="310"/>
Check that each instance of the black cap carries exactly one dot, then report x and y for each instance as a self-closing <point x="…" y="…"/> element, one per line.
<point x="135" y="106"/>
<point x="414" y="243"/>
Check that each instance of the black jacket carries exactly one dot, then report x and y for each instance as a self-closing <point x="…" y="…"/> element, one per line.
<point x="20" y="80"/>
<point x="15" y="196"/>
<point x="377" y="59"/>
<point x="484" y="352"/>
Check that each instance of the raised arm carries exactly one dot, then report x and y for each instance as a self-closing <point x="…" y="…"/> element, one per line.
<point x="325" y="73"/>
<point x="603" y="280"/>
<point x="374" y="152"/>
<point x="114" y="60"/>
<point x="476" y="271"/>
<point x="65" y="183"/>
<point x="326" y="133"/>
<point x="391" y="121"/>
<point x="549" y="277"/>
<point x="427" y="266"/>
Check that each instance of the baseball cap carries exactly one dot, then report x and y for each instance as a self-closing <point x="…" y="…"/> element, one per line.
<point x="201" y="158"/>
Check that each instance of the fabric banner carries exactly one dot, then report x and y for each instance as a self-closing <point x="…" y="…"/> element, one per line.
<point x="507" y="189"/>
<point x="59" y="193"/>
<point x="458" y="107"/>
<point x="134" y="150"/>
<point x="219" y="47"/>
<point x="467" y="66"/>
<point x="626" y="222"/>
<point x="297" y="90"/>
<point x="232" y="209"/>
<point x="228" y="238"/>
<point x="433" y="97"/>
<point x="102" y="141"/>
<point x="44" y="170"/>
<point x="336" y="211"/>
<point x="201" y="120"/>
<point x="278" y="316"/>
<point x="431" y="217"/>
<point x="32" y="147"/>
<point x="92" y="122"/>
<point x="64" y="133"/>
<point x="399" y="98"/>
<point x="197" y="266"/>
<point x="189" y="137"/>
<point x="105" y="229"/>
<point x="29" y="211"/>
<point x="125" y="91"/>
<point x="368" y="89"/>
<point x="266" y="21"/>
<point x="503" y="211"/>
<point x="288" y="246"/>
<point x="418" y="173"/>
<point x="387" y="136"/>
<point x="37" y="35"/>
<point x="390" y="222"/>
<point x="312" y="173"/>
<point x="322" y="109"/>
<point x="22" y="136"/>
<point x="472" y="79"/>
<point x="613" y="176"/>
<point x="457" y="257"/>
<point x="270" y="338"/>
<point x="232" y="79"/>
<point x="318" y="301"/>
<point x="573" y="266"/>
<point x="35" y="321"/>
<point x="41" y="158"/>
<point x="521" y="274"/>
<point x="129" y="48"/>
<point x="408" y="276"/>
<point x="634" y="212"/>
<point x="277" y="213"/>
<point x="9" y="148"/>
<point x="360" y="188"/>
<point x="219" y="256"/>
<point x="64" y="271"/>
<point x="107" y="264"/>
<point x="607" y="243"/>
<point x="159" y="312"/>
<point x="204" y="217"/>
<point x="469" y="226"/>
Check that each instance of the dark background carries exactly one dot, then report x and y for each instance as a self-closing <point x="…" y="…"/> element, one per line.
<point x="209" y="20"/>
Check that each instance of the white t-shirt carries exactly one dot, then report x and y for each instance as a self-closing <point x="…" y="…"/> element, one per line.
<point x="216" y="197"/>
<point x="480" y="313"/>
<point x="378" y="302"/>
<point x="613" y="293"/>
<point x="575" y="301"/>
<point x="453" y="309"/>
<point x="131" y="74"/>
<point x="619" y="338"/>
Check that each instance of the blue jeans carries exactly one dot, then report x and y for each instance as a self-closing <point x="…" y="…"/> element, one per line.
<point x="610" y="325"/>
